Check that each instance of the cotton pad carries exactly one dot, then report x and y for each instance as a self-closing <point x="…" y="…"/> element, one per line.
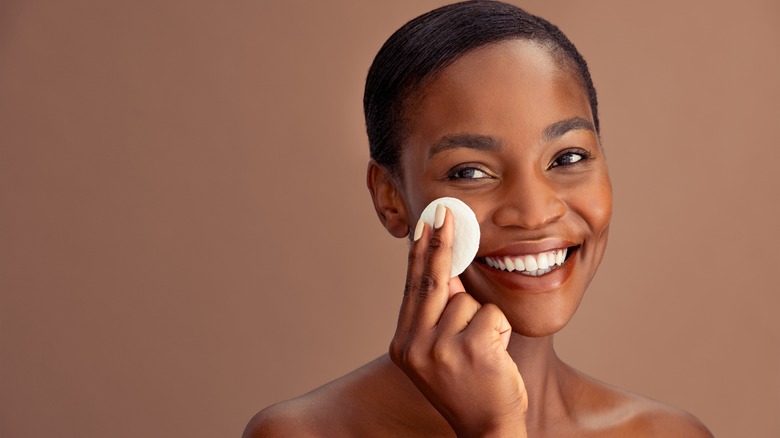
<point x="466" y="242"/>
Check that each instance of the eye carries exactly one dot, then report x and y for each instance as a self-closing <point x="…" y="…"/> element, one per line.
<point x="468" y="173"/>
<point x="567" y="158"/>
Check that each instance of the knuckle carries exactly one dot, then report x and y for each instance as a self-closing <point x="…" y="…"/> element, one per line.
<point x="396" y="350"/>
<point x="491" y="310"/>
<point x="441" y="353"/>
<point x="464" y="303"/>
<point x="415" y="358"/>
<point x="458" y="298"/>
<point x="396" y="346"/>
<point x="412" y="258"/>
<point x="472" y="345"/>
<point x="462" y="299"/>
<point x="428" y="284"/>
<point x="407" y="355"/>
<point x="436" y="242"/>
<point x="410" y="286"/>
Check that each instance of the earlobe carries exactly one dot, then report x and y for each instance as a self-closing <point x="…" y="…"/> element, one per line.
<point x="387" y="199"/>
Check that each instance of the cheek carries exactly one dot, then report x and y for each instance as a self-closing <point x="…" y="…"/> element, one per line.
<point x="416" y="197"/>
<point x="593" y="203"/>
<point x="594" y="208"/>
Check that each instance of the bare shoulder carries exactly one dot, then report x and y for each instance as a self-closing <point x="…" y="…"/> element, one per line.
<point x="660" y="420"/>
<point x="623" y="413"/>
<point x="285" y="419"/>
<point x="324" y="412"/>
<point x="361" y="403"/>
<point x="650" y="418"/>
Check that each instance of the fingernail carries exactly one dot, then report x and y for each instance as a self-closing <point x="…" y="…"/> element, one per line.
<point x="418" y="230"/>
<point x="438" y="221"/>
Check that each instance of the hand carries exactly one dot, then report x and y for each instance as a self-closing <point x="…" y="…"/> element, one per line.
<point x="454" y="349"/>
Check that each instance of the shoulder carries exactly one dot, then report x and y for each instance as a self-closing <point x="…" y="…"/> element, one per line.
<point x="285" y="419"/>
<point x="622" y="413"/>
<point x="324" y="412"/>
<point x="655" y="419"/>
<point x="639" y="416"/>
<point x="344" y="407"/>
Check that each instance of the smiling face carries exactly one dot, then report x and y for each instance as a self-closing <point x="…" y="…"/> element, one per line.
<point x="508" y="129"/>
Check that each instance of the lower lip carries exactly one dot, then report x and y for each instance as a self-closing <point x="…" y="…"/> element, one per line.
<point x="526" y="283"/>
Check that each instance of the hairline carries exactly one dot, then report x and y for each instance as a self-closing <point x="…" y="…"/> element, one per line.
<point x="412" y="95"/>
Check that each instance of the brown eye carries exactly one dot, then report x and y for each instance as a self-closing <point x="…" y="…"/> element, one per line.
<point x="468" y="173"/>
<point x="570" y="157"/>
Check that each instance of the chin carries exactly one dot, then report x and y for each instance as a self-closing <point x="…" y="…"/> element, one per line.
<point x="537" y="327"/>
<point x="530" y="313"/>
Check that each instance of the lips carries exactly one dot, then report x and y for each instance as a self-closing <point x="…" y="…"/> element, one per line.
<point x="530" y="267"/>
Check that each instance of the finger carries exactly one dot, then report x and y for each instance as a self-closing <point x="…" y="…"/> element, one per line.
<point x="459" y="312"/>
<point x="434" y="284"/>
<point x="414" y="272"/>
<point x="456" y="286"/>
<point x="489" y="325"/>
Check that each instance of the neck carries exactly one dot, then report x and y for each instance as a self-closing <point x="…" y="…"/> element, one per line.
<point x="544" y="376"/>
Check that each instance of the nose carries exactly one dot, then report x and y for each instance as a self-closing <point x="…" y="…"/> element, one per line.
<point x="530" y="201"/>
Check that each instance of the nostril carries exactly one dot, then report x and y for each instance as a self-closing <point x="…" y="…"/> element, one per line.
<point x="530" y="202"/>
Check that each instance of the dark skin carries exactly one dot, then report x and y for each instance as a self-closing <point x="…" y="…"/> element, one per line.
<point x="507" y="129"/>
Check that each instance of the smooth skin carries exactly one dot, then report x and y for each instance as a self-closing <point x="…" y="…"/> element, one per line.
<point x="508" y="129"/>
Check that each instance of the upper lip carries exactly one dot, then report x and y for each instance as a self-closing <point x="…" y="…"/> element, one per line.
<point x="529" y="247"/>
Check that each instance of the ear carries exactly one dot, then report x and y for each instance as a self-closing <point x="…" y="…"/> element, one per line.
<point x="388" y="202"/>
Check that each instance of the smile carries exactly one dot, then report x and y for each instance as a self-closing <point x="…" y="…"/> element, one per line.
<point x="532" y="265"/>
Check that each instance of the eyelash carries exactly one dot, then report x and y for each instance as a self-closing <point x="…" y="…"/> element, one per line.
<point x="584" y="156"/>
<point x="454" y="173"/>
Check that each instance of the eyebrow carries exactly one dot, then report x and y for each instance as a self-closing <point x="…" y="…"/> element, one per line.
<point x="558" y="129"/>
<point x="488" y="143"/>
<point x="472" y="141"/>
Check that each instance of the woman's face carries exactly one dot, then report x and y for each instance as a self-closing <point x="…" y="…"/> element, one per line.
<point x="509" y="130"/>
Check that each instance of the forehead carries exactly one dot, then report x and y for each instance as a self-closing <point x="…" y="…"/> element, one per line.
<point x="511" y="90"/>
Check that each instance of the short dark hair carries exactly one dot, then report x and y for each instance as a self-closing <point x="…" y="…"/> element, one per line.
<point x="424" y="46"/>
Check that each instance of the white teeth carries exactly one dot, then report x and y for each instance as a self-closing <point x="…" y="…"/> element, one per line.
<point x="510" y="265"/>
<point x="533" y="265"/>
<point x="530" y="263"/>
<point x="519" y="264"/>
<point x="538" y="272"/>
<point x="541" y="261"/>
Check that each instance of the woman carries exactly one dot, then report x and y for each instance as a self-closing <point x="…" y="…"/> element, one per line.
<point x="486" y="103"/>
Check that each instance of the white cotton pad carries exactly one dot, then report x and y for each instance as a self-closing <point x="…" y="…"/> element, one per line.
<point x="466" y="231"/>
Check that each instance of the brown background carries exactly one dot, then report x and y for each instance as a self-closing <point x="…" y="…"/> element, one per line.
<point x="185" y="235"/>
